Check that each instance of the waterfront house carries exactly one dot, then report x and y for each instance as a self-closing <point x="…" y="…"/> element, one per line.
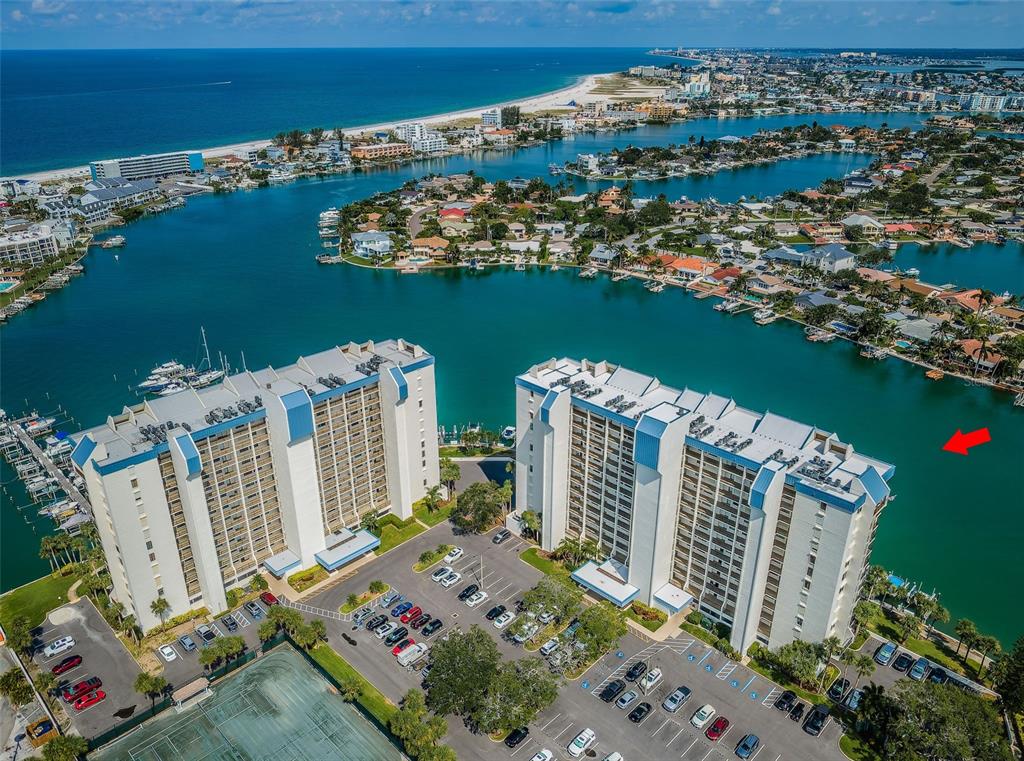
<point x="456" y="228"/>
<point x="973" y="357"/>
<point x="767" y="285"/>
<point x="1012" y="317"/>
<point x="919" y="330"/>
<point x="910" y="285"/>
<point x="900" y="228"/>
<point x="869" y="226"/>
<point x="830" y="258"/>
<point x="517" y="230"/>
<point x="371" y="244"/>
<point x="435" y="247"/>
<point x="874" y="276"/>
<point x="686" y="268"/>
<point x="602" y="255"/>
<point x="970" y="300"/>
<point x="822" y="232"/>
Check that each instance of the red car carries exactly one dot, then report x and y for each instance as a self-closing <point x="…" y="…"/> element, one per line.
<point x="402" y="645"/>
<point x="73" y="692"/>
<point x="269" y="599"/>
<point x="413" y="613"/>
<point x="89" y="699"/>
<point x="72" y="661"/>
<point x="717" y="729"/>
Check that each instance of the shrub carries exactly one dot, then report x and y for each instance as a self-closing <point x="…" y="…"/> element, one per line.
<point x="695" y="617"/>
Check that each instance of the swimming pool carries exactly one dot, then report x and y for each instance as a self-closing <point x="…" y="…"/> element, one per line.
<point x="6" y="285"/>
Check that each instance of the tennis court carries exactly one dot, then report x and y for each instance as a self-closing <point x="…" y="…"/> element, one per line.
<point x="277" y="708"/>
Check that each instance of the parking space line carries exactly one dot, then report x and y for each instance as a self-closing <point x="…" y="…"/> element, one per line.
<point x="758" y="753"/>
<point x="242" y="620"/>
<point x="567" y="728"/>
<point x="769" y="699"/>
<point x="676" y="736"/>
<point x="708" y="755"/>
<point x="551" y="721"/>
<point x="726" y="670"/>
<point x="511" y="597"/>
<point x="708" y="653"/>
<point x="744" y="687"/>
<point x="659" y="728"/>
<point x="216" y="629"/>
<point x="688" y="748"/>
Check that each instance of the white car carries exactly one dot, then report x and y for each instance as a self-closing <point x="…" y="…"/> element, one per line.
<point x="386" y="629"/>
<point x="440" y="573"/>
<point x="504" y="619"/>
<point x="704" y="714"/>
<point x="451" y="579"/>
<point x="543" y="755"/>
<point x="546" y="617"/>
<point x="168" y="653"/>
<point x="527" y="633"/>
<point x="58" y="646"/>
<point x="454" y="554"/>
<point x="476" y="598"/>
<point x="581" y="742"/>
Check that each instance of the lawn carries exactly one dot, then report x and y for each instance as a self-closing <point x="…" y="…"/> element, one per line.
<point x="36" y="599"/>
<point x="370" y="698"/>
<point x="544" y="565"/>
<point x="433" y="517"/>
<point x="856" y="749"/>
<point x="303" y="580"/>
<point x="478" y="451"/>
<point x="431" y="557"/>
<point x="654" y="620"/>
<point x="394" y="534"/>
<point x="885" y="626"/>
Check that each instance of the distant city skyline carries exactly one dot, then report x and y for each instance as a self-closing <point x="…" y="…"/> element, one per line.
<point x="92" y="24"/>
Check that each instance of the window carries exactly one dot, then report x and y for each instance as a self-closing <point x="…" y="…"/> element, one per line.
<point x="152" y="557"/>
<point x="149" y="545"/>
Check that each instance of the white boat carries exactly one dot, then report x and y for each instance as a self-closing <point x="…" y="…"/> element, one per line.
<point x="892" y="245"/>
<point x="732" y="306"/>
<point x="171" y="389"/>
<point x="116" y="241"/>
<point x="656" y="287"/>
<point x="508" y="433"/>
<point x="721" y="306"/>
<point x="765" y="316"/>
<point x="205" y="378"/>
<point x="913" y="272"/>
<point x="555" y="268"/>
<point x="168" y="368"/>
<point x="589" y="272"/>
<point x="39" y="425"/>
<point x="619" y="276"/>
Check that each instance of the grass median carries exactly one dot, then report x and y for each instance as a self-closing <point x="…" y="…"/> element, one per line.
<point x="370" y="698"/>
<point x="35" y="599"/>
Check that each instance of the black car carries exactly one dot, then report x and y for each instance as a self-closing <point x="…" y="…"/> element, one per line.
<point x="494" y="612"/>
<point x="374" y="622"/>
<point x="797" y="712"/>
<point x="785" y="701"/>
<point x="612" y="690"/>
<point x="230" y="623"/>
<point x="501" y="536"/>
<point x="468" y="592"/>
<point x="903" y="662"/>
<point x="939" y="676"/>
<point x="816" y="720"/>
<point x="639" y="713"/>
<point x="432" y="627"/>
<point x="636" y="671"/>
<point x="396" y="636"/>
<point x="420" y="621"/>
<point x="516" y="736"/>
<point x="838" y="689"/>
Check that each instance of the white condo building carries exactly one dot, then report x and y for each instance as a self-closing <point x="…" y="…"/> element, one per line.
<point x="28" y="247"/>
<point x="195" y="492"/>
<point x="148" y="166"/>
<point x="761" y="523"/>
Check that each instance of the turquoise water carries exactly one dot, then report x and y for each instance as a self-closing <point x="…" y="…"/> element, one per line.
<point x="242" y="266"/>
<point x="6" y="285"/>
<point x="984" y="265"/>
<point x="278" y="707"/>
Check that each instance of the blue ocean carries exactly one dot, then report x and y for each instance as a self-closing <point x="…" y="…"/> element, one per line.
<point x="61" y="108"/>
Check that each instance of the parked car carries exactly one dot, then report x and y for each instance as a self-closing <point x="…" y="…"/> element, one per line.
<point x="411" y="614"/>
<point x="167" y="653"/>
<point x="838" y="689"/>
<point x="407" y="642"/>
<point x="527" y="633"/>
<point x="73" y="692"/>
<point x="268" y="598"/>
<point x="420" y="620"/>
<point x="626" y="699"/>
<point x="651" y="680"/>
<point x="400" y="609"/>
<point x="440" y="573"/>
<point x="476" y="598"/>
<point x="432" y="627"/>
<point x="636" y="671"/>
<point x="230" y="623"/>
<point x="885" y="653"/>
<point x="187" y="642"/>
<point x="516" y="736"/>
<point x="501" y="536"/>
<point x="451" y="579"/>
<point x="939" y="676"/>
<point x="391" y="598"/>
<point x="612" y="690"/>
<point x="453" y="554"/>
<point x="550" y="646"/>
<point x="504" y="619"/>
<point x="385" y="629"/>
<point x="543" y="755"/>
<point x="254" y="610"/>
<point x="816" y="720"/>
<point x="89" y="699"/>
<point x="206" y="634"/>
<point x="678" y="697"/>
<point x="58" y="646"/>
<point x="640" y="713"/>
<point x="785" y="701"/>
<point x="581" y="742"/>
<point x="361" y="615"/>
<point x="852" y="701"/>
<point x="919" y="670"/>
<point x="71" y="662"/>
<point x="546" y="617"/>
<point x="395" y="635"/>
<point x="903" y="662"/>
<point x="748" y="746"/>
<point x="468" y="592"/>
<point x="494" y="612"/>
<point x="412" y="655"/>
<point x="717" y="728"/>
<point x="797" y="712"/>
<point x="376" y="621"/>
<point x="383" y="625"/>
<point x="702" y="716"/>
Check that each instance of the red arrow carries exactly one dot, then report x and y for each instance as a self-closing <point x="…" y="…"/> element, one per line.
<point x="961" y="442"/>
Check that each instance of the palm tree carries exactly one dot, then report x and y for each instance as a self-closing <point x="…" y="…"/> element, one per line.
<point x="65" y="748"/>
<point x="863" y="665"/>
<point x="432" y="499"/>
<point x="531" y="523"/>
<point x="46" y="681"/>
<point x="160" y="606"/>
<point x="47" y="550"/>
<point x="965" y="629"/>
<point x="130" y="628"/>
<point x="988" y="645"/>
<point x="827" y="650"/>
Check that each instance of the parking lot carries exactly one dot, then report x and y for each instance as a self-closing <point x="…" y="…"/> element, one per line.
<point x="743" y="696"/>
<point x="103" y="656"/>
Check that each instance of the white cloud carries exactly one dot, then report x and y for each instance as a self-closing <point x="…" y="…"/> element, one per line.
<point x="44" y="8"/>
<point x="17" y="15"/>
<point x="774" y="10"/>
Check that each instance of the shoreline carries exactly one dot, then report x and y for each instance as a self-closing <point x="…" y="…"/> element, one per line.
<point x="546" y="100"/>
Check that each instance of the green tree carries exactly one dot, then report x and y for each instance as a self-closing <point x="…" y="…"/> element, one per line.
<point x="479" y="506"/>
<point x="159" y="607"/>
<point x="349" y="688"/>
<point x="46" y="682"/>
<point x="65" y="748"/>
<point x="450" y="474"/>
<point x="530" y="520"/>
<point x="377" y="586"/>
<point x="519" y="691"/>
<point x="267" y="631"/>
<point x="15" y="687"/>
<point x="798" y="661"/>
<point x="353" y="599"/>
<point x="150" y="685"/>
<point x="461" y="670"/>
<point x="909" y="626"/>
<point x="559" y="596"/>
<point x="437" y="753"/>
<point x="1008" y="675"/>
<point x="432" y="499"/>
<point x="966" y="631"/>
<point x="258" y="583"/>
<point x="864" y="612"/>
<point x="601" y="628"/>
<point x="19" y="635"/>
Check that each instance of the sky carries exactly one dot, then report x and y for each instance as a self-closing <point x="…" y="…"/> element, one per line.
<point x="59" y="24"/>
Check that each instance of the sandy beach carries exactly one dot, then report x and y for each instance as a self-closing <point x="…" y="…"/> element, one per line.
<point x="577" y="93"/>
